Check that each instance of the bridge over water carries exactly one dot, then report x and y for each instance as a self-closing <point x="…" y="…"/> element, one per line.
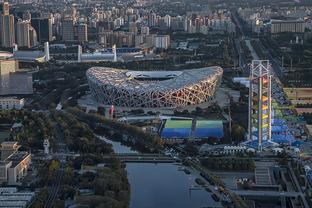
<point x="144" y="158"/>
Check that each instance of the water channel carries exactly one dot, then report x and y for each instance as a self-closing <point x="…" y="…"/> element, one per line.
<point x="162" y="185"/>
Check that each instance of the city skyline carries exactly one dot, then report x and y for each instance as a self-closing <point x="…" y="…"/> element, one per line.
<point x="156" y="104"/>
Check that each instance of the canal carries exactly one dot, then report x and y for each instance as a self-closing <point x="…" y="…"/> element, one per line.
<point x="163" y="185"/>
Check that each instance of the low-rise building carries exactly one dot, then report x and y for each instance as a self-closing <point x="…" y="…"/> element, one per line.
<point x="9" y="103"/>
<point x="13" y="164"/>
<point x="10" y="197"/>
<point x="293" y="26"/>
<point x="8" y="148"/>
<point x="20" y="162"/>
<point x="12" y="80"/>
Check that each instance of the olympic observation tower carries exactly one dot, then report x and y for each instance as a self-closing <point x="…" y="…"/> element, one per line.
<point x="260" y="108"/>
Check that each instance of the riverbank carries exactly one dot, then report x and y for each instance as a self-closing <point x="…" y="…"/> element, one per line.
<point x="164" y="185"/>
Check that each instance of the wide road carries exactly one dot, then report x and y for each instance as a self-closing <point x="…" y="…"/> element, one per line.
<point x="275" y="62"/>
<point x="61" y="149"/>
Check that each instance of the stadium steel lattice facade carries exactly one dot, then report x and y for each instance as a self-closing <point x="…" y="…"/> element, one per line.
<point x="153" y="89"/>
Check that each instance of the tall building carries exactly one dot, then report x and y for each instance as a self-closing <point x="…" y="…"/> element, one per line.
<point x="259" y="121"/>
<point x="6" y="8"/>
<point x="133" y="28"/>
<point x="167" y="20"/>
<point x="74" y="12"/>
<point x="7" y="32"/>
<point x="104" y="27"/>
<point x="43" y="27"/>
<point x="162" y="41"/>
<point x="82" y="32"/>
<point x="68" y="32"/>
<point x="151" y="21"/>
<point x="26" y="34"/>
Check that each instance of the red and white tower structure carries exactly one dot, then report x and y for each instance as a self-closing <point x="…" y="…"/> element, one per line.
<point x="260" y="108"/>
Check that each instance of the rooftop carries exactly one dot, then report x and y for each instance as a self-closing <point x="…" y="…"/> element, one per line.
<point x="129" y="79"/>
<point x="29" y="56"/>
<point x="17" y="157"/>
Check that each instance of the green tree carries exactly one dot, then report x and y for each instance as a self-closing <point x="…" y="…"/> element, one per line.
<point x="238" y="133"/>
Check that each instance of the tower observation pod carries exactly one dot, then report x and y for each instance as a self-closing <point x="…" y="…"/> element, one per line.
<point x="260" y="109"/>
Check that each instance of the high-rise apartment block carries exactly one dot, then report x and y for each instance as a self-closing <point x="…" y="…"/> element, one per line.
<point x="82" y="32"/>
<point x="7" y="30"/>
<point x="162" y="41"/>
<point x="26" y="34"/>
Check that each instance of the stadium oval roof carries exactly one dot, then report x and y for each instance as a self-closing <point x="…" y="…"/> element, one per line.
<point x="152" y="80"/>
<point x="153" y="89"/>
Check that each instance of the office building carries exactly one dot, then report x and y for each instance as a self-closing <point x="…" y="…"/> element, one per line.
<point x="82" y="32"/>
<point x="68" y="31"/>
<point x="43" y="27"/>
<point x="72" y="31"/>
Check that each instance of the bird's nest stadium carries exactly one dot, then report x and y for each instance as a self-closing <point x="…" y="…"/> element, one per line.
<point x="153" y="89"/>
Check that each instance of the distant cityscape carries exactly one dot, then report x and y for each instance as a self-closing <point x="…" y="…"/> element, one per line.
<point x="155" y="104"/>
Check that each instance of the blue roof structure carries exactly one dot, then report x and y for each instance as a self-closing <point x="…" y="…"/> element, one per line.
<point x="185" y="129"/>
<point x="279" y="129"/>
<point x="283" y="138"/>
<point x="278" y="122"/>
<point x="177" y="129"/>
<point x="209" y="129"/>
